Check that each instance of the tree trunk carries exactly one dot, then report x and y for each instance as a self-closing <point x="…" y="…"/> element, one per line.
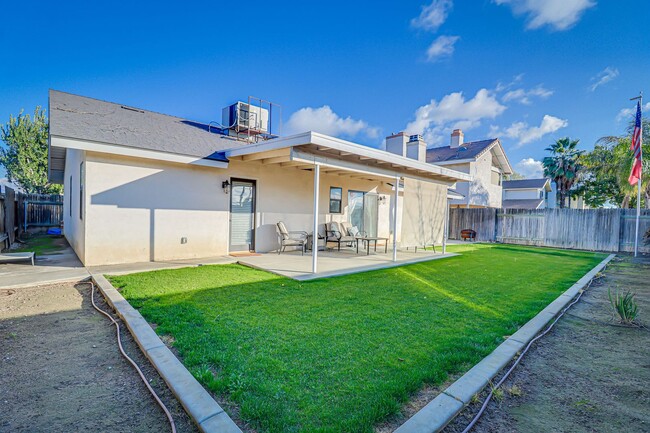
<point x="562" y="199"/>
<point x="626" y="202"/>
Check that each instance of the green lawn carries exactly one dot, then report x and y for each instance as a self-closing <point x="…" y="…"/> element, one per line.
<point x="341" y="354"/>
<point x="42" y="244"/>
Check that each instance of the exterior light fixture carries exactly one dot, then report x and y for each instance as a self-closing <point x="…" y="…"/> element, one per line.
<point x="226" y="186"/>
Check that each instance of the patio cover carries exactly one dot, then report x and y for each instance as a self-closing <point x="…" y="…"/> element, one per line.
<point x="315" y="152"/>
<point x="341" y="157"/>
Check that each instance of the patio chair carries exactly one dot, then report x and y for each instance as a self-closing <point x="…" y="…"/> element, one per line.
<point x="341" y="235"/>
<point x="288" y="238"/>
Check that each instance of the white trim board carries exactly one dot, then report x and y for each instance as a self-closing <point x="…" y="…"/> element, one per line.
<point x="71" y="143"/>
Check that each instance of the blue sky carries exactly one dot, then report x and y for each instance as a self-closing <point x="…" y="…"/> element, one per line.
<point x="528" y="71"/>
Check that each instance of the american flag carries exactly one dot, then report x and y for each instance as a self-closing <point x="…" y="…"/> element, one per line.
<point x="635" y="147"/>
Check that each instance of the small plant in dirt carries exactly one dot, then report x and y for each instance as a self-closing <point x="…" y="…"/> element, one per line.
<point x="624" y="305"/>
<point x="475" y="399"/>
<point x="515" y="391"/>
<point x="498" y="394"/>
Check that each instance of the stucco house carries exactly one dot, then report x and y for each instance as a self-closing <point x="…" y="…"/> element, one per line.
<point x="143" y="186"/>
<point x="484" y="160"/>
<point x="528" y="194"/>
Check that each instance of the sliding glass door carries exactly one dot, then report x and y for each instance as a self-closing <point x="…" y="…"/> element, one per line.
<point x="370" y="214"/>
<point x="363" y="211"/>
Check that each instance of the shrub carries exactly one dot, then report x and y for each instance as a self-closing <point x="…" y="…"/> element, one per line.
<point x="624" y="305"/>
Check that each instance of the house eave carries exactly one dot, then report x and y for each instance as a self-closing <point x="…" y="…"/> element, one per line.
<point x="315" y="148"/>
<point x="59" y="143"/>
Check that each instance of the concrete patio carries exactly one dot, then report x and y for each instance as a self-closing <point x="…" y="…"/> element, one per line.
<point x="333" y="263"/>
<point x="50" y="268"/>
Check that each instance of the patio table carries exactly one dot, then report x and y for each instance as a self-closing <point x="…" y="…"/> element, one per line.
<point x="368" y="239"/>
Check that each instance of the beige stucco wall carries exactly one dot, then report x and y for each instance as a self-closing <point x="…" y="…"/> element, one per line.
<point x="482" y="191"/>
<point x="73" y="224"/>
<point x="138" y="210"/>
<point x="423" y="213"/>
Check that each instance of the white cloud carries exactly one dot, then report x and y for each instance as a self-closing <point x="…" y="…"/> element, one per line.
<point x="525" y="134"/>
<point x="530" y="168"/>
<point x="558" y="14"/>
<point x="454" y="111"/>
<point x="603" y="77"/>
<point x="524" y="96"/>
<point x="326" y="121"/>
<point x="433" y="15"/>
<point x="627" y="114"/>
<point x="443" y="46"/>
<point x="515" y="80"/>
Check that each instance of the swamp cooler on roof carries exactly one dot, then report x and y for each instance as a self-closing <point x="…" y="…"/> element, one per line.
<point x="241" y="116"/>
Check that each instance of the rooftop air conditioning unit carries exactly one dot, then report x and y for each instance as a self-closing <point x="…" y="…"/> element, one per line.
<point x="243" y="117"/>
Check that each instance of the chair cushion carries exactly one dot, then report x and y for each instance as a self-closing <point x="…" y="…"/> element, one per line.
<point x="283" y="230"/>
<point x="353" y="231"/>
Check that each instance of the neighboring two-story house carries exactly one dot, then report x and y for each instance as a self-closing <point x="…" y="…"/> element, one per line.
<point x="485" y="160"/>
<point x="528" y="194"/>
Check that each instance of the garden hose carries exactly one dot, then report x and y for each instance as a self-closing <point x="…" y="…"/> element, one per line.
<point x="119" y="343"/>
<point x="510" y="370"/>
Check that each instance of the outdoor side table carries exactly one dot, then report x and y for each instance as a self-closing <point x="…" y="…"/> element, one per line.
<point x="310" y="242"/>
<point x="368" y="239"/>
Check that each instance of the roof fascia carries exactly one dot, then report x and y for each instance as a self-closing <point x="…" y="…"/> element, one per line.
<point x="114" y="149"/>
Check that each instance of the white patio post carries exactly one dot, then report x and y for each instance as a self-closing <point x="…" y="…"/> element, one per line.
<point x="445" y="229"/>
<point x="314" y="238"/>
<point x="395" y="219"/>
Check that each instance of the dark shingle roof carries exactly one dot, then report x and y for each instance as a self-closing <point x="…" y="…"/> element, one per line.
<point x="74" y="116"/>
<point x="524" y="183"/>
<point x="522" y="204"/>
<point x="468" y="150"/>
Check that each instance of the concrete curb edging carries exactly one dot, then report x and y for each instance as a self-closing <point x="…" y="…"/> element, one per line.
<point x="441" y="410"/>
<point x="201" y="407"/>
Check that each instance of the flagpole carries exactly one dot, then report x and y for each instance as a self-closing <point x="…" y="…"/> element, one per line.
<point x="638" y="183"/>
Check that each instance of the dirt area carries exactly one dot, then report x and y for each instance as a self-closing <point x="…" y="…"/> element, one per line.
<point x="60" y="368"/>
<point x="588" y="375"/>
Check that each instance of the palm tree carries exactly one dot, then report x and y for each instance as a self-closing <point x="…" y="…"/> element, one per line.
<point x="563" y="165"/>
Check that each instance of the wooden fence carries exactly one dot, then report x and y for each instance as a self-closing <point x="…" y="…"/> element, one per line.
<point x="41" y="210"/>
<point x="585" y="229"/>
<point x="8" y="217"/>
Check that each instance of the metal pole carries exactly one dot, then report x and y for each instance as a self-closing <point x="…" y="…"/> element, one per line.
<point x="314" y="238"/>
<point x="638" y="215"/>
<point x="395" y="219"/>
<point x="638" y="184"/>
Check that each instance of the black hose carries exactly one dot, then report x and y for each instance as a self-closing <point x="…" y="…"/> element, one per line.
<point x="505" y="376"/>
<point x="119" y="343"/>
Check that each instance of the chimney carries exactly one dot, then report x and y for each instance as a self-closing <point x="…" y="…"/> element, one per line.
<point x="457" y="138"/>
<point x="416" y="148"/>
<point x="396" y="143"/>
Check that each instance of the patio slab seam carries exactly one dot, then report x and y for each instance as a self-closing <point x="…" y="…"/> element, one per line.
<point x="208" y="415"/>
<point x="440" y="411"/>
